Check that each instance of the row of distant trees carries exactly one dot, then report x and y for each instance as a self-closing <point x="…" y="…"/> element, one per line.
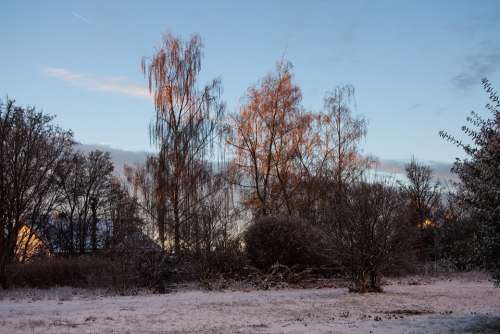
<point x="270" y="183"/>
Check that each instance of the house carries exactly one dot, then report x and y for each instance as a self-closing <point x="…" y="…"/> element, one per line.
<point x="53" y="238"/>
<point x="30" y="244"/>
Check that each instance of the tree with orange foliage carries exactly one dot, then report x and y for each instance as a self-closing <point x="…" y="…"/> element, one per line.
<point x="287" y="156"/>
<point x="266" y="136"/>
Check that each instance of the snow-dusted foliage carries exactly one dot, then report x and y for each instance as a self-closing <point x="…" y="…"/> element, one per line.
<point x="479" y="189"/>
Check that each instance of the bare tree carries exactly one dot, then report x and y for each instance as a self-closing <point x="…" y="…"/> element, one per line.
<point x="374" y="237"/>
<point x="85" y="181"/>
<point x="423" y="203"/>
<point x="213" y="218"/>
<point x="124" y="212"/>
<point x="184" y="130"/>
<point x="267" y="135"/>
<point x="98" y="191"/>
<point x="422" y="191"/>
<point x="70" y="180"/>
<point x="31" y="150"/>
<point x="342" y="133"/>
<point x="141" y="185"/>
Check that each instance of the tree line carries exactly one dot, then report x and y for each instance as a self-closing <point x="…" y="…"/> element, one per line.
<point x="271" y="183"/>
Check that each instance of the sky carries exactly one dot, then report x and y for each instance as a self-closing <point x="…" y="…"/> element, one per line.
<point x="416" y="65"/>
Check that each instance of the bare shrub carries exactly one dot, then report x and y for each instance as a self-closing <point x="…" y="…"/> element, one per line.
<point x="285" y="240"/>
<point x="76" y="272"/>
<point x="136" y="269"/>
<point x="370" y="235"/>
<point x="122" y="273"/>
<point x="228" y="259"/>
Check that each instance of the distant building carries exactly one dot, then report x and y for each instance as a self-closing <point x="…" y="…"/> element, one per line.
<point x="53" y="238"/>
<point x="30" y="245"/>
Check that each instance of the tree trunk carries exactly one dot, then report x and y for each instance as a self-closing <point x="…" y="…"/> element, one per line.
<point x="373" y="281"/>
<point x="177" y="222"/>
<point x="82" y="236"/>
<point x="71" y="236"/>
<point x="6" y="258"/>
<point x="4" y="282"/>
<point x="94" y="227"/>
<point x="161" y="198"/>
<point x="177" y="238"/>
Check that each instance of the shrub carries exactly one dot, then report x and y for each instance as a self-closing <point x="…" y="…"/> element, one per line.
<point x="370" y="237"/>
<point x="123" y="272"/>
<point x="141" y="269"/>
<point x="285" y="240"/>
<point x="460" y="245"/>
<point x="226" y="258"/>
<point x="49" y="272"/>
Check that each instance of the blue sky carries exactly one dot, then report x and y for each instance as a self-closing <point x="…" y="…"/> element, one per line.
<point x="416" y="65"/>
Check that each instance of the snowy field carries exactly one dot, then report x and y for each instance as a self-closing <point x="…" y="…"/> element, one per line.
<point x="462" y="304"/>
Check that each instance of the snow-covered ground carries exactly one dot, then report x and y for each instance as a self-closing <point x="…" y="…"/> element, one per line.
<point x="460" y="304"/>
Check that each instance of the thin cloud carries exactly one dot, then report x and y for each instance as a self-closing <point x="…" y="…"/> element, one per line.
<point x="415" y="106"/>
<point x="80" y="17"/>
<point x="117" y="85"/>
<point x="477" y="67"/>
<point x="442" y="170"/>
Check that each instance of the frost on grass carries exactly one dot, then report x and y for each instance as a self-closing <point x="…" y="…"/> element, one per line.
<point x="455" y="304"/>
